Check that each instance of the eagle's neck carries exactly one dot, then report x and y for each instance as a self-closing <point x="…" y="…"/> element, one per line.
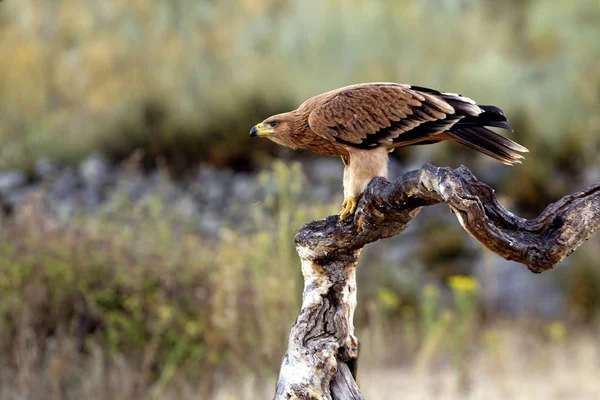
<point x="296" y="135"/>
<point x="300" y="128"/>
<point x="300" y="136"/>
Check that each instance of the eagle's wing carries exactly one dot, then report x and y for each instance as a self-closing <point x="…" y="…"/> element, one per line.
<point x="393" y="115"/>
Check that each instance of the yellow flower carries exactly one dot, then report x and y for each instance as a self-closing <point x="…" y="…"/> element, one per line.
<point x="465" y="284"/>
<point x="388" y="299"/>
<point x="165" y="313"/>
<point x="556" y="330"/>
<point x="192" y="328"/>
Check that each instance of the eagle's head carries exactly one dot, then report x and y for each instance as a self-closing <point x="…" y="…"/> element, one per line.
<point x="278" y="128"/>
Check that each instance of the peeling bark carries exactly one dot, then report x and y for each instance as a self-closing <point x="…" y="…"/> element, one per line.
<point x="322" y="344"/>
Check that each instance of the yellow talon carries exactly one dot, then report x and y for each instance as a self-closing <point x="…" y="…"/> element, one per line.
<point x="348" y="207"/>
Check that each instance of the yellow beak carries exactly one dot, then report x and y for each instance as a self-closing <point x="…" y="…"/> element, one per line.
<point x="260" y="130"/>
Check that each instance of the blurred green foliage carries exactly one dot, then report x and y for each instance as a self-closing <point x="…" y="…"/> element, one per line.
<point x="188" y="78"/>
<point x="139" y="282"/>
<point x="443" y="329"/>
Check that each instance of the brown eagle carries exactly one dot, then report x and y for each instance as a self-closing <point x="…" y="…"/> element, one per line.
<point x="363" y="123"/>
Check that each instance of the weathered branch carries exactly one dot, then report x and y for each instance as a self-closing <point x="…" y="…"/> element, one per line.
<point x="322" y="343"/>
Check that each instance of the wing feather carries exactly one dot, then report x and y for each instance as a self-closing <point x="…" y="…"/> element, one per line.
<point x="369" y="115"/>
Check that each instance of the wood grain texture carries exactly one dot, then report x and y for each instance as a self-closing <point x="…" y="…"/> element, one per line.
<point x="322" y="341"/>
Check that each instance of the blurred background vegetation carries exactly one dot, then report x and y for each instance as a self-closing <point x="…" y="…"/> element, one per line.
<point x="188" y="288"/>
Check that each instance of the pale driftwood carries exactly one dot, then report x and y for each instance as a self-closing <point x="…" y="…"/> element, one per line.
<point x="322" y="343"/>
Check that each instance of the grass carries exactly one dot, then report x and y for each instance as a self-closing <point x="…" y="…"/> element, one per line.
<point x="445" y="351"/>
<point x="510" y="360"/>
<point x="137" y="286"/>
<point x="513" y="363"/>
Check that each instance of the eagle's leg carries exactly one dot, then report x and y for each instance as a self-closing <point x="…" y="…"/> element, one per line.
<point x="360" y="166"/>
<point x="348" y="207"/>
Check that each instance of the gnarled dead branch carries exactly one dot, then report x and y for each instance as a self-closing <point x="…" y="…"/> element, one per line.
<point x="322" y="344"/>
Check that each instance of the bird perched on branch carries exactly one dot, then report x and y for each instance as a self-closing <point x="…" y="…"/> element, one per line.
<point x="363" y="123"/>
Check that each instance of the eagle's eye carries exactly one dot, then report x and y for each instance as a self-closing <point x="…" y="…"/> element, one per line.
<point x="274" y="124"/>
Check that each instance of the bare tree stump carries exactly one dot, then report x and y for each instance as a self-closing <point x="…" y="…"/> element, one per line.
<point x="322" y="346"/>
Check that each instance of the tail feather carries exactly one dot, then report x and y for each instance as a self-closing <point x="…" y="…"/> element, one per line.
<point x="486" y="141"/>
<point x="467" y="125"/>
<point x="471" y="131"/>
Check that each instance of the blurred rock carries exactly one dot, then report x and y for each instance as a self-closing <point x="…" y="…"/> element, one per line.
<point x="325" y="175"/>
<point x="326" y="170"/>
<point x="10" y="180"/>
<point x="135" y="188"/>
<point x="65" y="184"/>
<point x="510" y="288"/>
<point x="185" y="208"/>
<point x="492" y="172"/>
<point x="94" y="171"/>
<point x="243" y="187"/>
<point x="210" y="224"/>
<point x="19" y="195"/>
<point x="45" y="169"/>
<point x="90" y="197"/>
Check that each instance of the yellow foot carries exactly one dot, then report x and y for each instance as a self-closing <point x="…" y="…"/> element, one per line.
<point x="348" y="207"/>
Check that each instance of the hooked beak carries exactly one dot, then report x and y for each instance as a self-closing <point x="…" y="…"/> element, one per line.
<point x="260" y="130"/>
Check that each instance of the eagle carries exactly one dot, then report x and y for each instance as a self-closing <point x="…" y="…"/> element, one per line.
<point x="363" y="123"/>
